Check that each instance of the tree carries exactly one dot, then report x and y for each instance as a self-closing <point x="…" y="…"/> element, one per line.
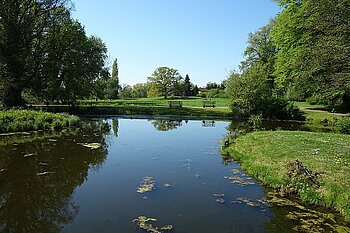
<point x="113" y="87"/>
<point x="253" y="91"/>
<point x="139" y="90"/>
<point x="195" y="90"/>
<point x="72" y="63"/>
<point x="212" y="85"/>
<point x="164" y="78"/>
<point x="23" y="25"/>
<point x="125" y="91"/>
<point x="153" y="90"/>
<point x="313" y="42"/>
<point x="187" y="86"/>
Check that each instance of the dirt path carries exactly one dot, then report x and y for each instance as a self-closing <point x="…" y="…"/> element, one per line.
<point x="323" y="111"/>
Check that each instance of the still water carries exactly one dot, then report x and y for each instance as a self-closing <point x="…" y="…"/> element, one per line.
<point x="52" y="183"/>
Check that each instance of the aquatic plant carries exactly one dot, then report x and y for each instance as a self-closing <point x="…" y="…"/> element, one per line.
<point x="26" y="120"/>
<point x="147" y="185"/>
<point x="145" y="223"/>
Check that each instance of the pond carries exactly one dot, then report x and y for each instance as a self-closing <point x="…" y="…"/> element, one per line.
<point x="169" y="171"/>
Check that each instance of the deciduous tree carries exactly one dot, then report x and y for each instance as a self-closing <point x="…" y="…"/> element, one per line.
<point x="164" y="78"/>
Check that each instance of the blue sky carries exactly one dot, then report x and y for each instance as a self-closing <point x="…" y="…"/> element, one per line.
<point x="202" y="38"/>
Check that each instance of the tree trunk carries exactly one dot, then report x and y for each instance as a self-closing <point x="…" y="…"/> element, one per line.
<point x="165" y="93"/>
<point x="12" y="97"/>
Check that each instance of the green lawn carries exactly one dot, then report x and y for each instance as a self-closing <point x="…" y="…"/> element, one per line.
<point x="266" y="155"/>
<point x="158" y="101"/>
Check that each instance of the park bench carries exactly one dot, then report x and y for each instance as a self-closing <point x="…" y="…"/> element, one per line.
<point x="175" y="104"/>
<point x="209" y="103"/>
<point x="208" y="123"/>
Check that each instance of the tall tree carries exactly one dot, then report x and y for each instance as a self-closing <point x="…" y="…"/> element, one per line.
<point x="313" y="38"/>
<point x="261" y="51"/>
<point x="187" y="86"/>
<point x="114" y="83"/>
<point x="23" y="25"/>
<point x="72" y="64"/>
<point x="164" y="79"/>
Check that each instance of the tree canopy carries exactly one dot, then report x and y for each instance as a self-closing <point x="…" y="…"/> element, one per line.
<point x="313" y="42"/>
<point x="46" y="53"/>
<point x="164" y="79"/>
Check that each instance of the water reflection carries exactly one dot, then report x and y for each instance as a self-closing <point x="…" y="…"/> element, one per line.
<point x="37" y="180"/>
<point x="208" y="123"/>
<point x="166" y="125"/>
<point x="115" y="127"/>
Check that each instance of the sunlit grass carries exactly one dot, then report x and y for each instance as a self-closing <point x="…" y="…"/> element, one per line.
<point x="157" y="101"/>
<point x="266" y="155"/>
<point x="26" y="120"/>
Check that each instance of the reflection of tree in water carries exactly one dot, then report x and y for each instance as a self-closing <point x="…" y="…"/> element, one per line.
<point x="36" y="190"/>
<point x="115" y="127"/>
<point x="166" y="125"/>
<point x="208" y="123"/>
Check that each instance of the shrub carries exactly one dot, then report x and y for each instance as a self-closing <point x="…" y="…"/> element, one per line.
<point x="24" y="120"/>
<point x="253" y="94"/>
<point x="216" y="93"/>
<point x="343" y="125"/>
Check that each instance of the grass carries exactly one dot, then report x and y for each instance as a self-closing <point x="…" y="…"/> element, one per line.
<point x="27" y="120"/>
<point x="266" y="155"/>
<point x="156" y="102"/>
<point x="143" y="110"/>
<point x="318" y="118"/>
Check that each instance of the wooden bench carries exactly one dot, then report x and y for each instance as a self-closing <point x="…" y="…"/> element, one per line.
<point x="209" y="103"/>
<point x="175" y="104"/>
<point x="208" y="123"/>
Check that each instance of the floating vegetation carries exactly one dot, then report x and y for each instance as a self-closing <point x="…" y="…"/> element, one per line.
<point x="147" y="185"/>
<point x="219" y="195"/>
<point x="241" y="200"/>
<point x="92" y="146"/>
<point x="220" y="200"/>
<point x="238" y="178"/>
<point x="145" y="223"/>
<point x="43" y="173"/>
<point x="308" y="220"/>
<point x="28" y="155"/>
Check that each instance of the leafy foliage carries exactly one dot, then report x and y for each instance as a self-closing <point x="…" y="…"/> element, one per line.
<point x="45" y="53"/>
<point x="313" y="42"/>
<point x="343" y="125"/>
<point x="164" y="79"/>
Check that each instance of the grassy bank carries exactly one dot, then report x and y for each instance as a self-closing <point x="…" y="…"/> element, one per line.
<point x="267" y="155"/>
<point x="318" y="118"/>
<point x="26" y="120"/>
<point x="156" y="102"/>
<point x="140" y="110"/>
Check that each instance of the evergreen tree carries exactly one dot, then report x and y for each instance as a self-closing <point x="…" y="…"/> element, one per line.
<point x="187" y="86"/>
<point x="114" y="85"/>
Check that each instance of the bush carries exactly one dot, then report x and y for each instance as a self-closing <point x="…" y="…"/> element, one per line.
<point x="252" y="94"/>
<point x="24" y="120"/>
<point x="217" y="93"/>
<point x="343" y="125"/>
